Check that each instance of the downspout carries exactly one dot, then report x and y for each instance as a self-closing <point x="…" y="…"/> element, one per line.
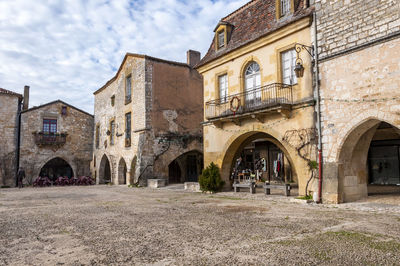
<point x="18" y="139"/>
<point x="318" y="106"/>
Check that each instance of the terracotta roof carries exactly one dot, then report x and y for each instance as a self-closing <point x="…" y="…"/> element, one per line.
<point x="4" y="91"/>
<point x="139" y="56"/>
<point x="54" y="102"/>
<point x="252" y="21"/>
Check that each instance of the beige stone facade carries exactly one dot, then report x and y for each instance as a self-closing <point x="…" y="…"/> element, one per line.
<point x="272" y="115"/>
<point x="9" y="106"/>
<point x="65" y="152"/>
<point x="147" y="122"/>
<point x="360" y="79"/>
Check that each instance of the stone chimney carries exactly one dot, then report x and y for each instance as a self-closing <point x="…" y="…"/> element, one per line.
<point x="193" y="58"/>
<point x="26" y="98"/>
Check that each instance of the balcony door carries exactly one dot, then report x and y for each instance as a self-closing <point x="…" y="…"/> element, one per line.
<point x="252" y="85"/>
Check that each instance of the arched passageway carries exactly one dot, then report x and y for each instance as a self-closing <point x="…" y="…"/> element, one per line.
<point x="258" y="156"/>
<point x="186" y="168"/>
<point x="104" y="170"/>
<point x="122" y="172"/>
<point x="369" y="161"/>
<point x="55" y="168"/>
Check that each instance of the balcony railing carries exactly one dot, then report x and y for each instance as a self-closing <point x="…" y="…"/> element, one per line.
<point x="50" y="139"/>
<point x="263" y="98"/>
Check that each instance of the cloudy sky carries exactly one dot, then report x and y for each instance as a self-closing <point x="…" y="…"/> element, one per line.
<point x="66" y="49"/>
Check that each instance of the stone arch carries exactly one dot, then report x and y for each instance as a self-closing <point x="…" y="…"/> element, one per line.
<point x="122" y="172"/>
<point x="132" y="170"/>
<point x="56" y="167"/>
<point x="105" y="171"/>
<point x="237" y="143"/>
<point x="187" y="166"/>
<point x="352" y="158"/>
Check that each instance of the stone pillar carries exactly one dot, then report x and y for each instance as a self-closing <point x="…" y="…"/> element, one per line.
<point x="128" y="177"/>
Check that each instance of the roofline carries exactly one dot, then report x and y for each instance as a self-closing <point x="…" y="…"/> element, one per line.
<point x="139" y="56"/>
<point x="259" y="37"/>
<point x="10" y="93"/>
<point x="53" y="102"/>
<point x="239" y="9"/>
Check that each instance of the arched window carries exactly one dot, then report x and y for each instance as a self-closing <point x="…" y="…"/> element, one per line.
<point x="252" y="83"/>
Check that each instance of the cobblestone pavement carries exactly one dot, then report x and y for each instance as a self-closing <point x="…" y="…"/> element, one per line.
<point x="114" y="225"/>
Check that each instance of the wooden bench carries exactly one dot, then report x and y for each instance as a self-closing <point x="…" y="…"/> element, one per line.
<point x="251" y="186"/>
<point x="284" y="187"/>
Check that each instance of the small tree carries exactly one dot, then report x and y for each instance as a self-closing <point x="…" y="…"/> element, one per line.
<point x="210" y="179"/>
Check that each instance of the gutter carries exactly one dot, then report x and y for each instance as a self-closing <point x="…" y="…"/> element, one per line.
<point x="18" y="139"/>
<point x="318" y="107"/>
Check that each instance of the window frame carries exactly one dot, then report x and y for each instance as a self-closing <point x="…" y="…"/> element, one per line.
<point x="128" y="129"/>
<point x="112" y="132"/>
<point x="292" y="61"/>
<point x="219" y="43"/>
<point x="97" y="136"/>
<point x="128" y="84"/>
<point x="284" y="4"/>
<point x="51" y="121"/>
<point x="223" y="99"/>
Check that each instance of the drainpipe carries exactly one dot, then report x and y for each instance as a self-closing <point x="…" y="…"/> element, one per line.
<point x="18" y="139"/>
<point x="318" y="105"/>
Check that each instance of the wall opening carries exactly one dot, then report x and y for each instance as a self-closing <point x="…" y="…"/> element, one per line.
<point x="122" y="169"/>
<point x="104" y="171"/>
<point x="186" y="168"/>
<point x="258" y="156"/>
<point x="369" y="161"/>
<point x="55" y="168"/>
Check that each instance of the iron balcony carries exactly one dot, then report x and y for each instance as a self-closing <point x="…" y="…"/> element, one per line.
<point x="268" y="97"/>
<point x="50" y="139"/>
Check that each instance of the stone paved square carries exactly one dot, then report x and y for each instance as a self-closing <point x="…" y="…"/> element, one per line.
<point x="117" y="225"/>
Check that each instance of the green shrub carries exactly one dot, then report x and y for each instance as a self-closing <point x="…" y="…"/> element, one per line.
<point x="210" y="179"/>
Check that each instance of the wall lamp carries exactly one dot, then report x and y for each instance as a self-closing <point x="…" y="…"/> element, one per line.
<point x="299" y="68"/>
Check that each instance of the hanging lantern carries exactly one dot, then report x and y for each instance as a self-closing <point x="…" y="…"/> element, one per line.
<point x="299" y="70"/>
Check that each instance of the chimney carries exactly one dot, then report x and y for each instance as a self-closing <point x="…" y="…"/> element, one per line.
<point x="193" y="58"/>
<point x="26" y="98"/>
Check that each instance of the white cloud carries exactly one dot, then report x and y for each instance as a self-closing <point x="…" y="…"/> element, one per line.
<point x="66" y="49"/>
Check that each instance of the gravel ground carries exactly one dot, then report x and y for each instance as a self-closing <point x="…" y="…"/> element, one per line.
<point x="116" y="225"/>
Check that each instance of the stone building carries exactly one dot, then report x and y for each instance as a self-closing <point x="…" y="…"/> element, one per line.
<point x="359" y="55"/>
<point x="147" y="122"/>
<point x="56" y="140"/>
<point x="10" y="105"/>
<point x="255" y="106"/>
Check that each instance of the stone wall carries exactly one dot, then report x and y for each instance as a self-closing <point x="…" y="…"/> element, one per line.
<point x="347" y="24"/>
<point x="77" y="150"/>
<point x="8" y="138"/>
<point x="358" y="88"/>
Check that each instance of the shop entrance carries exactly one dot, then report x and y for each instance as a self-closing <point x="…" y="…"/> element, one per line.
<point x="261" y="160"/>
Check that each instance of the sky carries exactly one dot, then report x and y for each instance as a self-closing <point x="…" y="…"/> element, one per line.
<point x="67" y="49"/>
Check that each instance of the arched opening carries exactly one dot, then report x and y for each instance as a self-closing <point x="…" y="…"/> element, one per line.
<point x="260" y="157"/>
<point x="252" y="83"/>
<point x="186" y="168"/>
<point x="369" y="161"/>
<point x="104" y="170"/>
<point x="55" y="168"/>
<point x="133" y="170"/>
<point x="122" y="169"/>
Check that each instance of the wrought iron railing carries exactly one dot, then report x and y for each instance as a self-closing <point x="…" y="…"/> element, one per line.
<point x="268" y="96"/>
<point x="53" y="139"/>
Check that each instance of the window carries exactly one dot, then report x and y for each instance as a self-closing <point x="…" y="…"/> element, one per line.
<point x="112" y="132"/>
<point x="253" y="83"/>
<point x="288" y="65"/>
<point x="285" y="7"/>
<point x="223" y="88"/>
<point x="128" y="89"/>
<point x="221" y="39"/>
<point x="128" y="129"/>
<point x="50" y="125"/>
<point x="64" y="110"/>
<point x="112" y="100"/>
<point x="97" y="136"/>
